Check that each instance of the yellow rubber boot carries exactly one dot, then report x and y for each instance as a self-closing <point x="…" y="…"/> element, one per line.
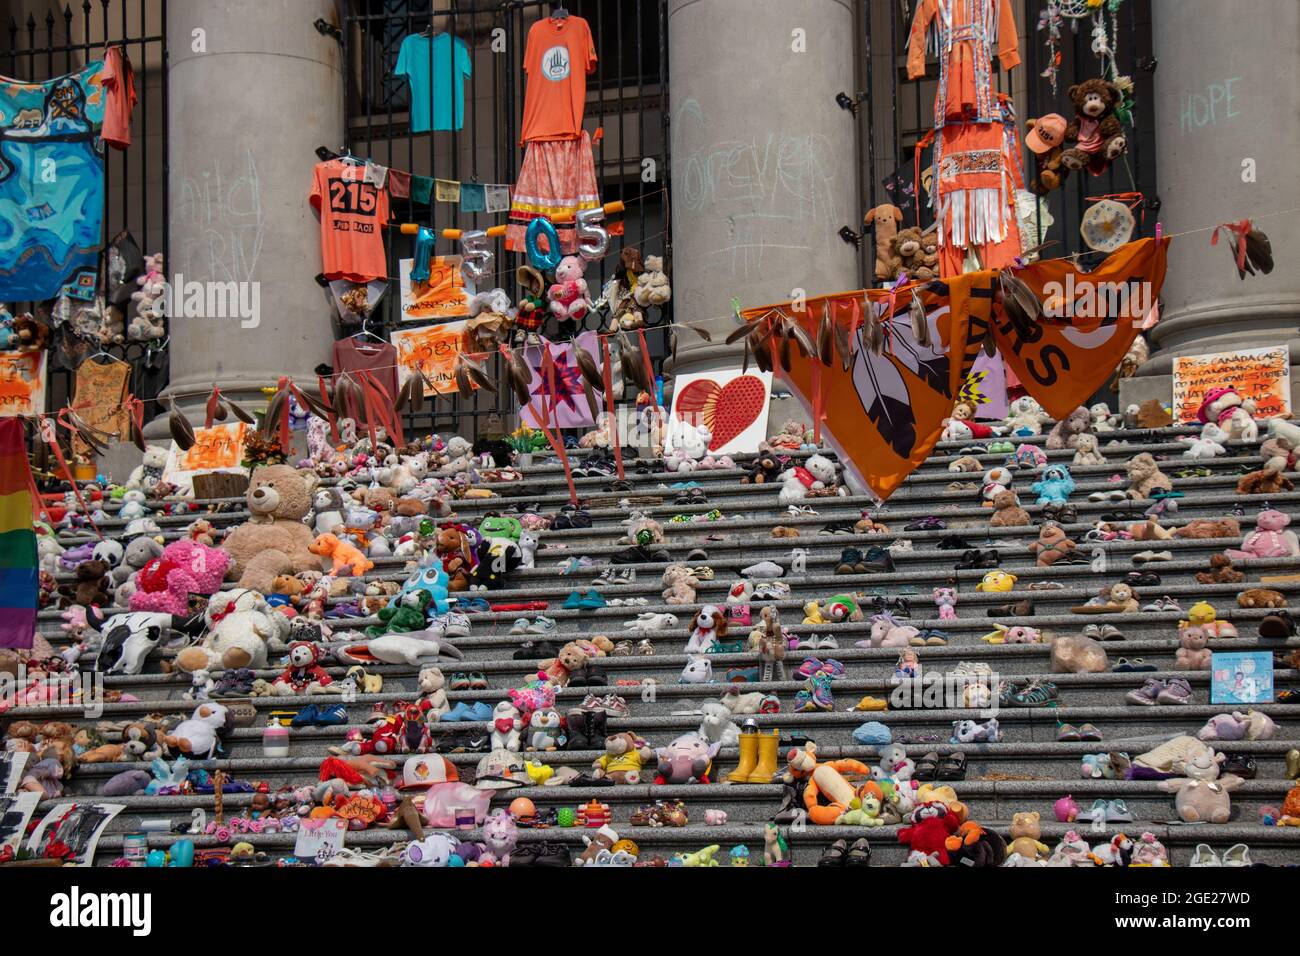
<point x="748" y="757"/>
<point x="765" y="769"/>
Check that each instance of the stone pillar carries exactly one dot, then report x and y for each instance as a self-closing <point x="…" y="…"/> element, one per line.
<point x="1224" y="100"/>
<point x="764" y="162"/>
<point x="250" y="97"/>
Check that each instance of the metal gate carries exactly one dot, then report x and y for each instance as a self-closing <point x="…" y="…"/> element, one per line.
<point x="897" y="112"/>
<point x="626" y="103"/>
<point x="42" y="40"/>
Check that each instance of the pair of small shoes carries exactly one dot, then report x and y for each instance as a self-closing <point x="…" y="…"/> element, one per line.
<point x="465" y="712"/>
<point x="840" y="853"/>
<point x="320" y="715"/>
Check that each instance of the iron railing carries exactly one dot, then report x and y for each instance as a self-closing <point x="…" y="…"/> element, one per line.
<point x="41" y="47"/>
<point x="897" y="111"/>
<point x="626" y="101"/>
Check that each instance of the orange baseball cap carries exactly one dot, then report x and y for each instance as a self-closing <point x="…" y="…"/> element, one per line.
<point x="1047" y="134"/>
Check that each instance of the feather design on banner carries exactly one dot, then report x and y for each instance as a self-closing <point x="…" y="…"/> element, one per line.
<point x="883" y="410"/>
<point x="884" y="397"/>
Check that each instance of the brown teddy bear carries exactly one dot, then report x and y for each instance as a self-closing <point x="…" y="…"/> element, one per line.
<point x="1210" y="528"/>
<point x="1052" y="545"/>
<point x="1117" y="599"/>
<point x="1051" y="172"/>
<point x="1096" y="135"/>
<point x="383" y="500"/>
<point x="1149" y="530"/>
<point x="411" y="507"/>
<point x="1265" y="481"/>
<point x="571" y="657"/>
<point x="785" y="531"/>
<point x="1193" y="649"/>
<point x="274" y="541"/>
<point x="1145" y="477"/>
<point x="90" y="586"/>
<point x="32" y="335"/>
<point x="1261" y="597"/>
<point x="762" y="470"/>
<point x="288" y="587"/>
<point x="887" y="218"/>
<point x="1007" y="512"/>
<point x="679" y="583"/>
<point x="906" y="253"/>
<point x="1221" y="571"/>
<point x="966" y="463"/>
<point x="1066" y="432"/>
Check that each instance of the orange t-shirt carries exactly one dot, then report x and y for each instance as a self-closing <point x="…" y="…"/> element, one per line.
<point x="352" y="246"/>
<point x="118" y="80"/>
<point x="558" y="57"/>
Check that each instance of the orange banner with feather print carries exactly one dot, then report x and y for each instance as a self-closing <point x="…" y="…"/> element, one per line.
<point x="885" y="413"/>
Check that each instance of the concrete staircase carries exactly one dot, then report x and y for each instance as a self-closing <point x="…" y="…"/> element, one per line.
<point x="1027" y="770"/>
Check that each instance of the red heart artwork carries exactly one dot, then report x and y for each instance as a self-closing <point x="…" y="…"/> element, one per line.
<point x="725" y="410"/>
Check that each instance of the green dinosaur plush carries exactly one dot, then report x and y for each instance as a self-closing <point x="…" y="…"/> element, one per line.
<point x="402" y="618"/>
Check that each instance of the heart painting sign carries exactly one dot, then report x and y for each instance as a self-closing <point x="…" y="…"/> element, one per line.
<point x="732" y="405"/>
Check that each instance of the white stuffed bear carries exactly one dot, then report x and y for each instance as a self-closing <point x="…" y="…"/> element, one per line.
<point x="1025" y="417"/>
<point x="242" y="628"/>
<point x="506" y="727"/>
<point x="149" y="302"/>
<point x="433" y="691"/>
<point x="816" y="474"/>
<point x="149" y="472"/>
<point x="1086" y="453"/>
<point x="1209" y="444"/>
<point x="652" y="286"/>
<point x="133" y="505"/>
<point x="687" y="445"/>
<point x="1103" y="420"/>
<point x="459" y="456"/>
<point x="996" y="480"/>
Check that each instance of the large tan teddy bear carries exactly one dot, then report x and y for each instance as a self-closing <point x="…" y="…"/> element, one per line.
<point x="1145" y="477"/>
<point x="274" y="541"/>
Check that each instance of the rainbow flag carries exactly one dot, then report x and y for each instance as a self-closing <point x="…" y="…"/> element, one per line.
<point x="18" y="566"/>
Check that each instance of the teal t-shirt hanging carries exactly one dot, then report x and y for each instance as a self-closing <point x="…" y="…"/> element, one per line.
<point x="436" y="68"/>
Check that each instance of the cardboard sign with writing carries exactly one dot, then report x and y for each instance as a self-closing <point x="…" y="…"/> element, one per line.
<point x="443" y="295"/>
<point x="433" y="350"/>
<point x="1260" y="374"/>
<point x="22" y="383"/>
<point x="219" y="448"/>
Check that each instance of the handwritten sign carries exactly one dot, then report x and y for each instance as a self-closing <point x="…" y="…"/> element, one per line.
<point x="22" y="383"/>
<point x="433" y="350"/>
<point x="1260" y="374"/>
<point x="219" y="448"/>
<point x="443" y="296"/>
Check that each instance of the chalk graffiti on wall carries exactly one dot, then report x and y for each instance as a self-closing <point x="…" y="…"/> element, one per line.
<point x="775" y="192"/>
<point x="220" y="213"/>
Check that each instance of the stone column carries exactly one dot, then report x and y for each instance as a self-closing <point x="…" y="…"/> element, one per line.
<point x="1224" y="102"/>
<point x="253" y="89"/>
<point x="764" y="162"/>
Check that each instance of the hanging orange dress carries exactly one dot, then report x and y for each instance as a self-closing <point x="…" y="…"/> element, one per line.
<point x="974" y="192"/>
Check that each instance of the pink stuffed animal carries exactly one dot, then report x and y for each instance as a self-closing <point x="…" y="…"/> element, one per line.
<point x="1066" y="809"/>
<point x="1194" y="654"/>
<point x="568" y="294"/>
<point x="946" y="599"/>
<point x="196" y="569"/>
<point x="1270" y="539"/>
